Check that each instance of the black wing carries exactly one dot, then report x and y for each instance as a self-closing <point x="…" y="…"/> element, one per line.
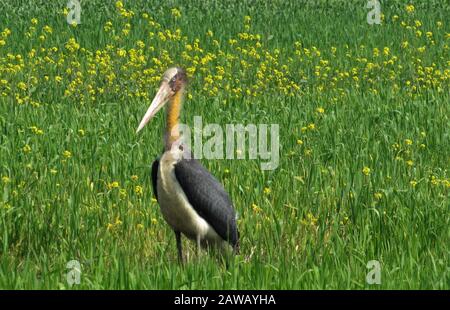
<point x="155" y="167"/>
<point x="208" y="197"/>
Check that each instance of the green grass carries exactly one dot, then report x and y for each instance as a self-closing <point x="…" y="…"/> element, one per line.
<point x="320" y="219"/>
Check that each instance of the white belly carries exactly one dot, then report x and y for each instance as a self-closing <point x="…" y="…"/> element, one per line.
<point x="175" y="207"/>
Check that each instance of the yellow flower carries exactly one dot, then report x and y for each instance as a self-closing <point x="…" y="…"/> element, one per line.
<point x="309" y="220"/>
<point x="434" y="180"/>
<point x="72" y="45"/>
<point x="6" y="206"/>
<point x="121" y="53"/>
<point x="81" y="132"/>
<point x="410" y="8"/>
<point x="109" y="226"/>
<point x="53" y="171"/>
<point x="320" y="110"/>
<point x="311" y="126"/>
<point x="366" y="171"/>
<point x="67" y="154"/>
<point x="413" y="183"/>
<point x="22" y="86"/>
<point x="122" y="193"/>
<point x="154" y="200"/>
<point x="119" y="4"/>
<point x="134" y="177"/>
<point x="299" y="141"/>
<point x="376" y="52"/>
<point x="410" y="163"/>
<point x="255" y="208"/>
<point x="138" y="190"/>
<point x="176" y="13"/>
<point x="113" y="184"/>
<point x="232" y="41"/>
<point x="34" y="21"/>
<point x="140" y="226"/>
<point x="267" y="190"/>
<point x="378" y="196"/>
<point x="108" y="26"/>
<point x="5" y="179"/>
<point x="36" y="130"/>
<point x="408" y="142"/>
<point x="421" y="49"/>
<point x="140" y="44"/>
<point x="154" y="221"/>
<point x="26" y="148"/>
<point x="48" y="29"/>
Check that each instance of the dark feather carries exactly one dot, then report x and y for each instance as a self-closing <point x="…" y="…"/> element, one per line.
<point x="155" y="167"/>
<point x="208" y="197"/>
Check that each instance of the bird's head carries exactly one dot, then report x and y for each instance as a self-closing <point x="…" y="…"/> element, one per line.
<point x="173" y="82"/>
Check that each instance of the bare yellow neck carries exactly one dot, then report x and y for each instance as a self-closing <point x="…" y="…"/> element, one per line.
<point x="173" y="117"/>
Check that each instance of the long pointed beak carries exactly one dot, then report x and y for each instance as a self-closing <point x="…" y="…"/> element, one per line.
<point x="158" y="102"/>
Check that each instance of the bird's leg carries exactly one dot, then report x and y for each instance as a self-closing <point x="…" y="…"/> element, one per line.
<point x="198" y="245"/>
<point x="180" y="253"/>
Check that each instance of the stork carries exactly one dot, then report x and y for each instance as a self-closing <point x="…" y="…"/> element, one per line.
<point x="192" y="200"/>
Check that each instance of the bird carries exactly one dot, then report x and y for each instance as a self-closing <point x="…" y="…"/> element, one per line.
<point x="192" y="201"/>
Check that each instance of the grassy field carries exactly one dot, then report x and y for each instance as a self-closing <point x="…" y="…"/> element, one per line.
<point x="364" y="120"/>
